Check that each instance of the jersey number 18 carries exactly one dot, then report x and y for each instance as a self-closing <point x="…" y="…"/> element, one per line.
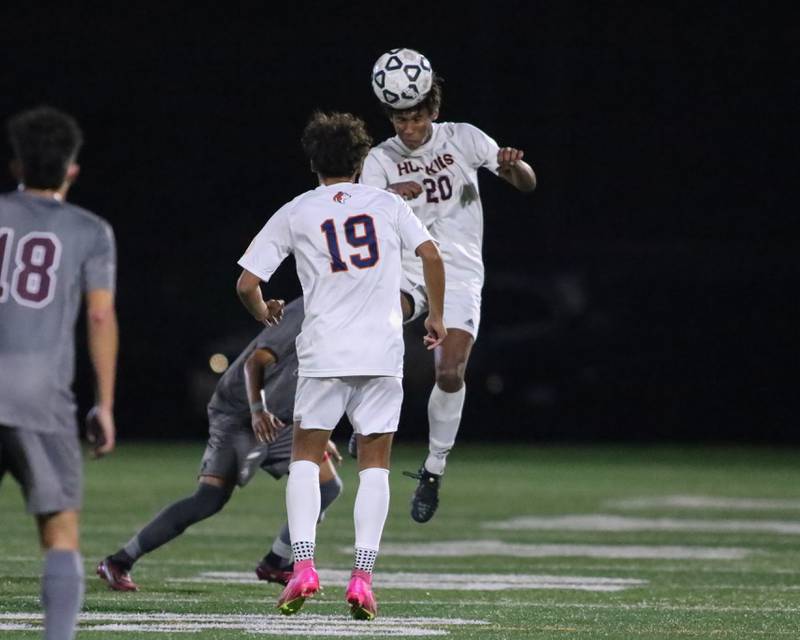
<point x="33" y="280"/>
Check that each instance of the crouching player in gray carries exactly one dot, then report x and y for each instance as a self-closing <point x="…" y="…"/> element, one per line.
<point x="246" y="417"/>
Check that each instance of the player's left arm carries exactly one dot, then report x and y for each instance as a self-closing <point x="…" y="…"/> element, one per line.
<point x="265" y="424"/>
<point x="248" y="287"/>
<point x="103" y="343"/>
<point x="514" y="170"/>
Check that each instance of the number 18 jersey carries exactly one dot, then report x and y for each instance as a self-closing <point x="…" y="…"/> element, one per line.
<point x="51" y="253"/>
<point x="347" y="240"/>
<point x="446" y="167"/>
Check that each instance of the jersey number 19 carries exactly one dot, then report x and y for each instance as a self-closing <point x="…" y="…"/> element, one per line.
<point x="359" y="230"/>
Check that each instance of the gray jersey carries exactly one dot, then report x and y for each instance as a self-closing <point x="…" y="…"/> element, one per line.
<point x="51" y="253"/>
<point x="280" y="379"/>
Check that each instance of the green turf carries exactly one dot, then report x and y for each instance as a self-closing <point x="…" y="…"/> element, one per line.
<point x="754" y="597"/>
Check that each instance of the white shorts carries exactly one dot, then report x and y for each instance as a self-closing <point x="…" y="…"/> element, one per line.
<point x="462" y="309"/>
<point x="372" y="403"/>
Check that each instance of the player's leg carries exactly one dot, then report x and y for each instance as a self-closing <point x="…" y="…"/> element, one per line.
<point x="444" y="417"/>
<point x="319" y="405"/>
<point x="62" y="579"/>
<point x="374" y="415"/>
<point x="278" y="564"/>
<point x="447" y="397"/>
<point x="214" y="488"/>
<point x="48" y="467"/>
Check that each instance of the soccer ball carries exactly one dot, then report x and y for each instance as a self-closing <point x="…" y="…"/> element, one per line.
<point x="401" y="78"/>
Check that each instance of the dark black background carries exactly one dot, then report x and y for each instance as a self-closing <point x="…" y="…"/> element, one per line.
<point x="646" y="290"/>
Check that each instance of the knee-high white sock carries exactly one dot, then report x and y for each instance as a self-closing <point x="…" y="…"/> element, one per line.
<point x="444" y="417"/>
<point x="302" y="507"/>
<point x="369" y="514"/>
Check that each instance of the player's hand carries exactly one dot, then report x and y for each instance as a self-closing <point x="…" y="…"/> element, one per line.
<point x="436" y="332"/>
<point x="266" y="426"/>
<point x="273" y="312"/>
<point x="333" y="452"/>
<point x="100" y="431"/>
<point x="507" y="158"/>
<point x="406" y="190"/>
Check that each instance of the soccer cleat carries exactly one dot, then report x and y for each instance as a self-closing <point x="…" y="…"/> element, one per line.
<point x="303" y="584"/>
<point x="270" y="573"/>
<point x="426" y="496"/>
<point x="360" y="597"/>
<point x="116" y="575"/>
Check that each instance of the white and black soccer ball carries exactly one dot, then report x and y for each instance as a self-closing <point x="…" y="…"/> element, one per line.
<point x="401" y="78"/>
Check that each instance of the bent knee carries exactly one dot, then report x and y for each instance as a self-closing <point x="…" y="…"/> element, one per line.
<point x="450" y="379"/>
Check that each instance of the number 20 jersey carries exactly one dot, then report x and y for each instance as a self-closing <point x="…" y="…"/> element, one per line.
<point x="446" y="167"/>
<point x="51" y="253"/>
<point x="347" y="240"/>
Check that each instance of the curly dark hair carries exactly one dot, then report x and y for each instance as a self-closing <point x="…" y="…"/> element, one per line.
<point x="336" y="143"/>
<point x="45" y="140"/>
<point x="432" y="100"/>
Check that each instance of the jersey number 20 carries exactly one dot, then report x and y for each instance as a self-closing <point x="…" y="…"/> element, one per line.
<point x="359" y="231"/>
<point x="33" y="280"/>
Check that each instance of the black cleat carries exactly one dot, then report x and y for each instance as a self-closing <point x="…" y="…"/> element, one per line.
<point x="426" y="496"/>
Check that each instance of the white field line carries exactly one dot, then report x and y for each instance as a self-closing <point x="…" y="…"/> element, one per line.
<point x="704" y="502"/>
<point x="467" y="548"/>
<point x="444" y="581"/>
<point x="272" y="625"/>
<point x="608" y="522"/>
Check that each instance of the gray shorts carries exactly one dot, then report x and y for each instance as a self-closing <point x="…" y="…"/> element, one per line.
<point x="233" y="453"/>
<point x="48" y="467"/>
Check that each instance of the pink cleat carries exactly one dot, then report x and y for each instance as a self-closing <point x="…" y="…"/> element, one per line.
<point x="304" y="584"/>
<point x="117" y="576"/>
<point x="360" y="597"/>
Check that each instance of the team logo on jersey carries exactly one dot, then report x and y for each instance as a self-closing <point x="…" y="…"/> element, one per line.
<point x="341" y="197"/>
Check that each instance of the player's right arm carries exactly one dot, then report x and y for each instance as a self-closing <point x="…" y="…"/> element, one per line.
<point x="433" y="272"/>
<point x="374" y="175"/>
<point x="266" y="252"/>
<point x="265" y="424"/>
<point x="103" y="343"/>
<point x="248" y="287"/>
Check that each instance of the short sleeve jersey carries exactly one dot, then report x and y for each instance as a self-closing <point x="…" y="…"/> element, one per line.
<point x="51" y="253"/>
<point x="347" y="240"/>
<point x="280" y="379"/>
<point x="450" y="206"/>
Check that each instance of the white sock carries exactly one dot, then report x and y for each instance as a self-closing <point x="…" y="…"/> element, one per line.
<point x="302" y="501"/>
<point x="371" y="508"/>
<point x="444" y="417"/>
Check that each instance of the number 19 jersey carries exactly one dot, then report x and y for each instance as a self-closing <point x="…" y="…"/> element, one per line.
<point x="347" y="241"/>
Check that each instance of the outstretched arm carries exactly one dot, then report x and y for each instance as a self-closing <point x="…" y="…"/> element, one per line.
<point x="433" y="271"/>
<point x="103" y="342"/>
<point x="248" y="287"/>
<point x="514" y="170"/>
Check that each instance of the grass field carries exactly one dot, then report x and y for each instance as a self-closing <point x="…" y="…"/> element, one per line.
<point x="529" y="542"/>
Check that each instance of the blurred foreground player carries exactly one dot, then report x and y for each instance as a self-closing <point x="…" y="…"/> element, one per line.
<point x="252" y="402"/>
<point x="435" y="167"/>
<point x="51" y="254"/>
<point x="346" y="239"/>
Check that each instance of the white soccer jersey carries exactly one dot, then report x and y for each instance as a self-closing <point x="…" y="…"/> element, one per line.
<point x="347" y="241"/>
<point x="450" y="206"/>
